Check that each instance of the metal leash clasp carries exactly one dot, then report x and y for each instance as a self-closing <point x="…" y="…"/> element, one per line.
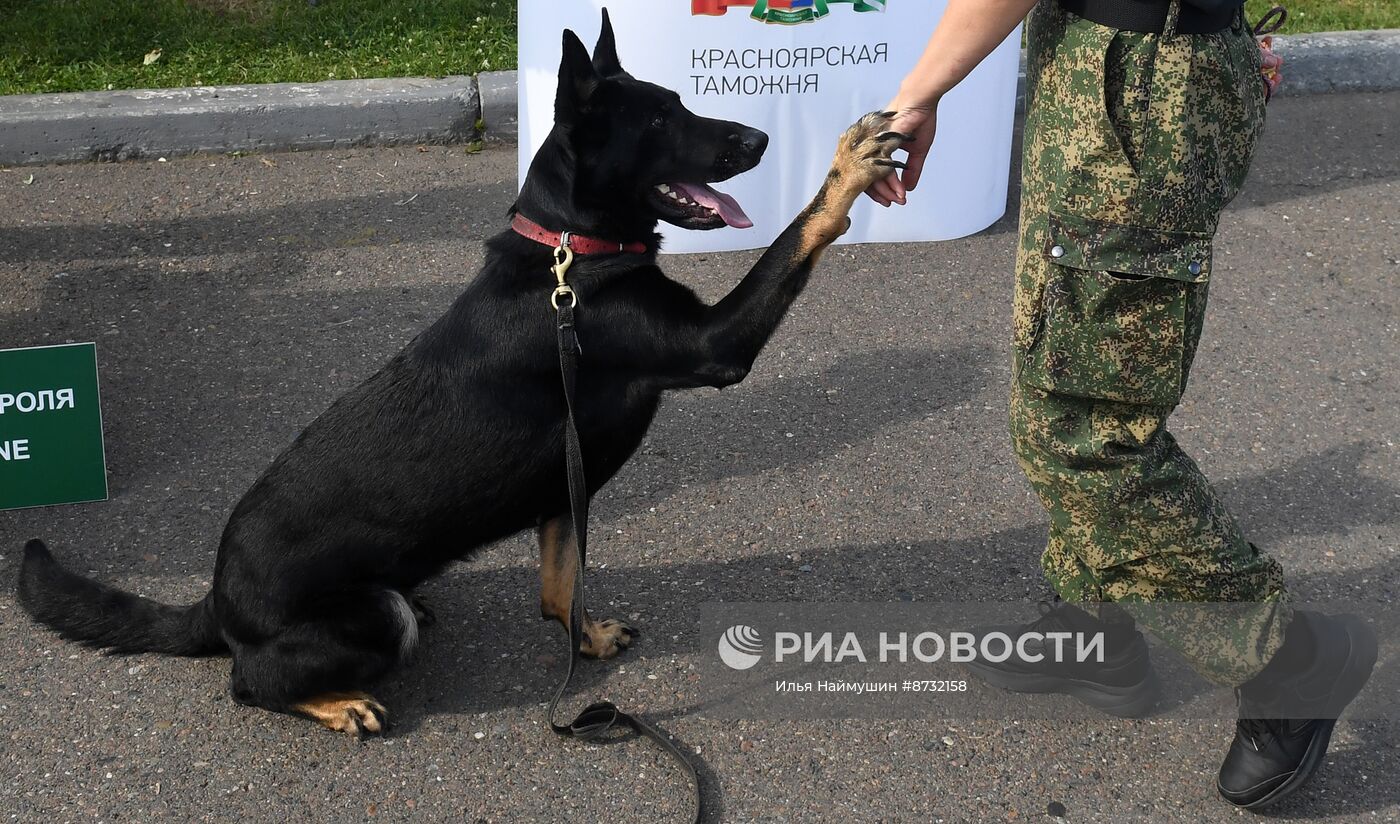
<point x="563" y="259"/>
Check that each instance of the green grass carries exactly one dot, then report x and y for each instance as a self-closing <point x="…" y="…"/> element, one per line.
<point x="1330" y="15"/>
<point x="78" y="45"/>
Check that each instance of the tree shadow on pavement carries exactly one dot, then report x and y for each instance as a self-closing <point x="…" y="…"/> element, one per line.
<point x="1295" y="159"/>
<point x="1351" y="765"/>
<point x="960" y="570"/>
<point x="1320" y="494"/>
<point x="489" y="651"/>
<point x="797" y="420"/>
<point x="332" y="223"/>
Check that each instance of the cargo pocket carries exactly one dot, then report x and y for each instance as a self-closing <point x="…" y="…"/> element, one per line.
<point x="1114" y="321"/>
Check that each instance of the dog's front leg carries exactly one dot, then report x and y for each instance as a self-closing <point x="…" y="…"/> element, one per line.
<point x="558" y="568"/>
<point x="736" y="329"/>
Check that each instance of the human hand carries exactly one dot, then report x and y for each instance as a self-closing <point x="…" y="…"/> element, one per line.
<point x="919" y="120"/>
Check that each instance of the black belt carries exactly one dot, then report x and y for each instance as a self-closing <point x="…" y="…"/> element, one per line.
<point x="1151" y="15"/>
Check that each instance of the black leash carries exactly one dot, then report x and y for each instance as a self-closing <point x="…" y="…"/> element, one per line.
<point x="1271" y="22"/>
<point x="601" y="716"/>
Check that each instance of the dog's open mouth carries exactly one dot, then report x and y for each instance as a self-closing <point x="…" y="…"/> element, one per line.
<point x="698" y="206"/>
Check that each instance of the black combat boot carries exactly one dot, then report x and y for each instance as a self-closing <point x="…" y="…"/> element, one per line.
<point x="1123" y="684"/>
<point x="1288" y="710"/>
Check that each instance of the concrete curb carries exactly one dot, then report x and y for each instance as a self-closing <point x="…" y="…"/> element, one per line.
<point x="57" y="128"/>
<point x="499" y="119"/>
<point x="1353" y="61"/>
<point x="61" y="128"/>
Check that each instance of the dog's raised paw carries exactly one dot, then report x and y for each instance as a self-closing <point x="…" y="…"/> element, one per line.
<point x="863" y="155"/>
<point x="604" y="639"/>
<point x="355" y="713"/>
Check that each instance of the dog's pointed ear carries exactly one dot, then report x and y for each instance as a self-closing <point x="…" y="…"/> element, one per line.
<point x="605" y="60"/>
<point x="577" y="80"/>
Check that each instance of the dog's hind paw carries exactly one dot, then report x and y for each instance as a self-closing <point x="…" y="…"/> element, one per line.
<point x="604" y="639"/>
<point x="356" y="713"/>
<point x="422" y="612"/>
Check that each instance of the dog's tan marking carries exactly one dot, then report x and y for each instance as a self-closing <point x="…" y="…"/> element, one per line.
<point x="355" y="713"/>
<point x="558" y="562"/>
<point x="558" y="565"/>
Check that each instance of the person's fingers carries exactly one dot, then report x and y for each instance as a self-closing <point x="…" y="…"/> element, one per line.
<point x="876" y="196"/>
<point x="913" y="168"/>
<point x="896" y="188"/>
<point x="918" y="154"/>
<point x="907" y="120"/>
<point x="880" y="191"/>
<point x="889" y="189"/>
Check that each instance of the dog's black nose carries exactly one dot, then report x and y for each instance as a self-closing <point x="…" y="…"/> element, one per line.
<point x="749" y="141"/>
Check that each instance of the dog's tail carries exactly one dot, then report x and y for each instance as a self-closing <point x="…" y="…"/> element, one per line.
<point x="100" y="616"/>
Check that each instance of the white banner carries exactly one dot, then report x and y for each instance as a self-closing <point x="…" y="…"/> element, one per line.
<point x="800" y="70"/>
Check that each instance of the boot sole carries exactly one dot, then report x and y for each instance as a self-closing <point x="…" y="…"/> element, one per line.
<point x="1364" y="651"/>
<point x="1133" y="701"/>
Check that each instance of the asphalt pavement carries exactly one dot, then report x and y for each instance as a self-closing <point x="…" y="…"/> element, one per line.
<point x="864" y="459"/>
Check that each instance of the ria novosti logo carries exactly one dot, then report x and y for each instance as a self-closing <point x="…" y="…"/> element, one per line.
<point x="740" y="647"/>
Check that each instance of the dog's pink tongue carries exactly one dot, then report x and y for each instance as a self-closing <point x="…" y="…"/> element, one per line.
<point x="727" y="207"/>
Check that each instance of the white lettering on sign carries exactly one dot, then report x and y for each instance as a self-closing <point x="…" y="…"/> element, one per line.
<point x="43" y="400"/>
<point x="17" y="450"/>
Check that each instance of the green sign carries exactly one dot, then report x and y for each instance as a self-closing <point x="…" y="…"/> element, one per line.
<point x="50" y="427"/>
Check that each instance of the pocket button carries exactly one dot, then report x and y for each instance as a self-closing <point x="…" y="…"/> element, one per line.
<point x="1058" y="251"/>
<point x="1194" y="267"/>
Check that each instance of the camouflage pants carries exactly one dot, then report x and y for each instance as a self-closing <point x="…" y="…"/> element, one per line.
<point x="1134" y="143"/>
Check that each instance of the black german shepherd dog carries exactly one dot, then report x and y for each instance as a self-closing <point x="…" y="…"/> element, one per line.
<point x="459" y="440"/>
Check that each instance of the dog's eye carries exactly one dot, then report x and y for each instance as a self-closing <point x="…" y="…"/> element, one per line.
<point x="658" y="121"/>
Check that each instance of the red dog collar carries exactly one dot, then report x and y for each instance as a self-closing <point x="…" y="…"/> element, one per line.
<point x="580" y="244"/>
